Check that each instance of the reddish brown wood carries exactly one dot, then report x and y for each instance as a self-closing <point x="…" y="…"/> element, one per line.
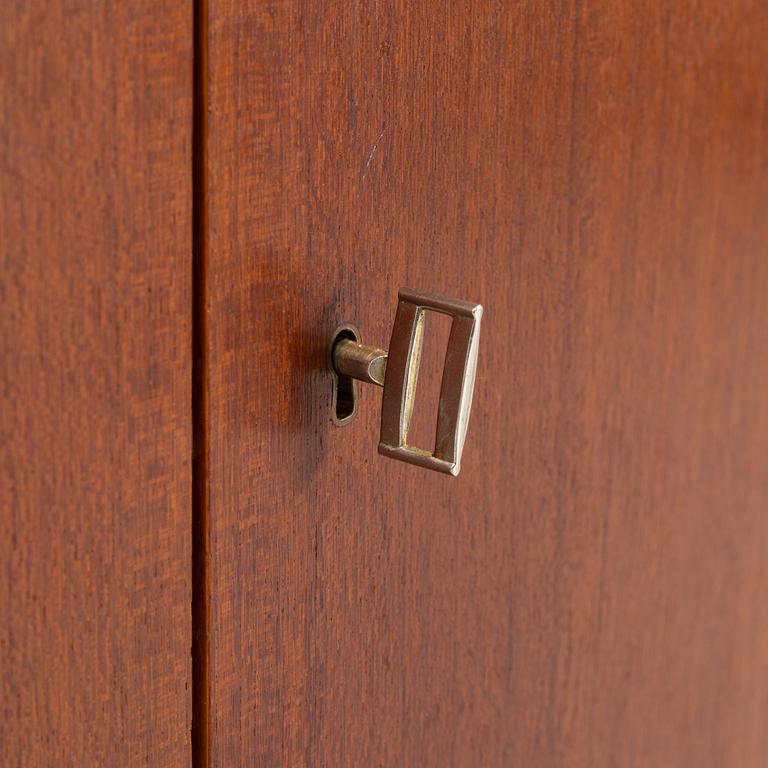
<point x="95" y="422"/>
<point x="591" y="590"/>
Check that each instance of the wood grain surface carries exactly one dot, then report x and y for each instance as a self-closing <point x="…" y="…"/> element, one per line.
<point x="95" y="351"/>
<point x="591" y="589"/>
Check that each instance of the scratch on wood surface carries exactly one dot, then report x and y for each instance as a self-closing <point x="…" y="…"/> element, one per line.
<point x="373" y="151"/>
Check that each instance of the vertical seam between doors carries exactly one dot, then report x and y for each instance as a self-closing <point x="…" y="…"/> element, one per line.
<point x="200" y="528"/>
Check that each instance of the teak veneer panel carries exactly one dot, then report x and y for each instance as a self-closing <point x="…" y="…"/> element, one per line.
<point x="95" y="383"/>
<point x="591" y="589"/>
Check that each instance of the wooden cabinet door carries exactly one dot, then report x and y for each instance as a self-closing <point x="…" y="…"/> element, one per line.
<point x="95" y="383"/>
<point x="194" y="196"/>
<point x="590" y="590"/>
